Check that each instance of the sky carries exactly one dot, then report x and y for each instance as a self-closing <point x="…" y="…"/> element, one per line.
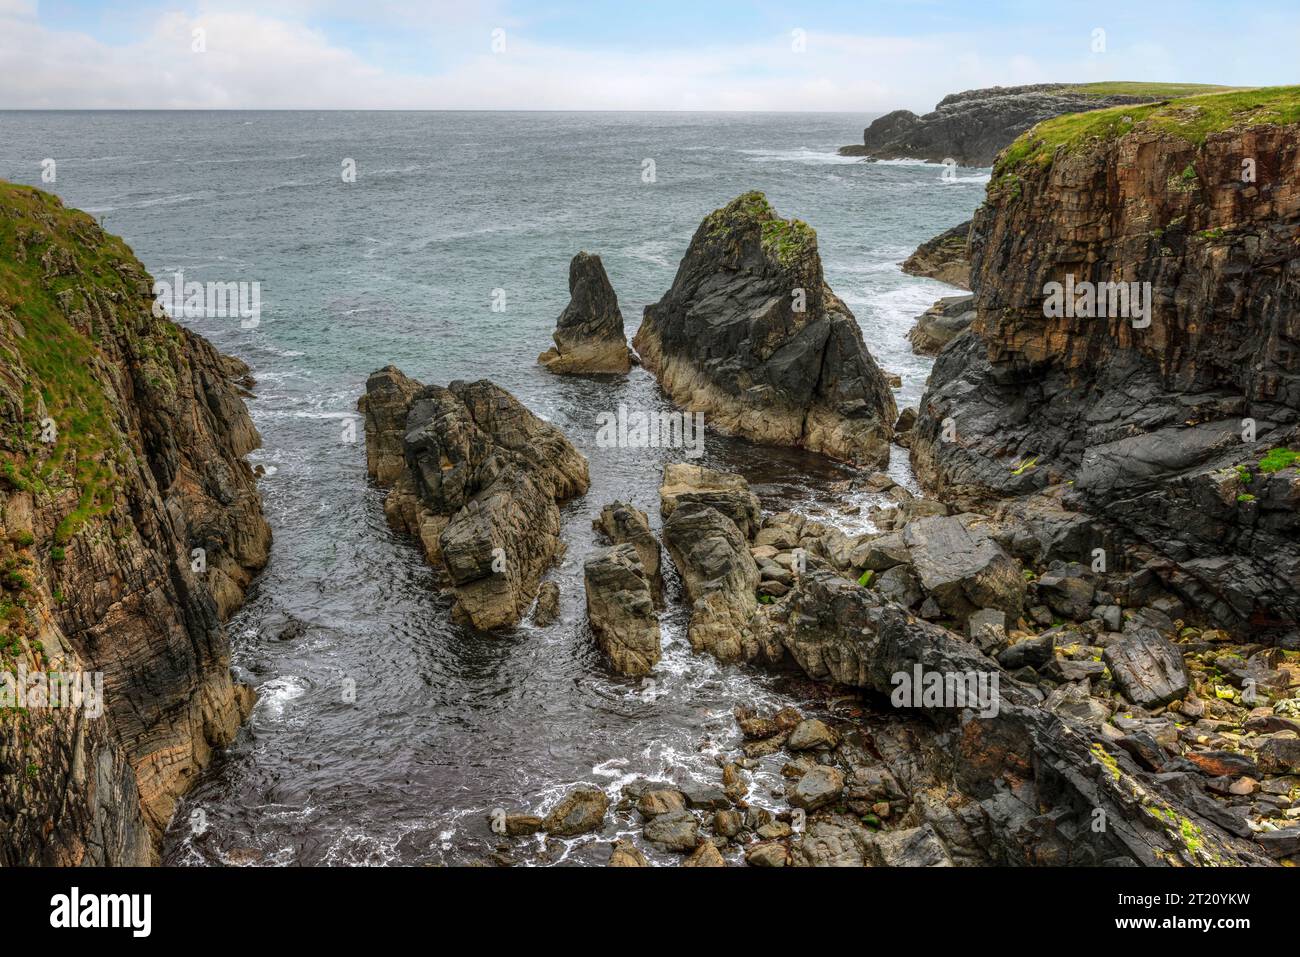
<point x="836" y="55"/>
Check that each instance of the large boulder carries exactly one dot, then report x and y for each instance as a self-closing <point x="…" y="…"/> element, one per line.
<point x="581" y="810"/>
<point x="721" y="578"/>
<point x="479" y="487"/>
<point x="621" y="610"/>
<point x="962" y="567"/>
<point x="589" y="334"/>
<point x="726" y="491"/>
<point x="621" y="524"/>
<point x="751" y="336"/>
<point x="1147" y="667"/>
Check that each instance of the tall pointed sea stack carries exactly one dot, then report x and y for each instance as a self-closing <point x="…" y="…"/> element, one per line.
<point x="751" y="335"/>
<point x="589" y="335"/>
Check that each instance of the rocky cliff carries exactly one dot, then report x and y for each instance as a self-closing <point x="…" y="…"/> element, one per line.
<point x="476" y="478"/>
<point x="943" y="258"/>
<point x="131" y="527"/>
<point x="1160" y="430"/>
<point x="751" y="335"/>
<point x="973" y="126"/>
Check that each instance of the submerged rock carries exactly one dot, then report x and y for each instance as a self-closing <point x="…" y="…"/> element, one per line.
<point x="621" y="609"/>
<point x="477" y="482"/>
<point x="751" y="336"/>
<point x="589" y="334"/>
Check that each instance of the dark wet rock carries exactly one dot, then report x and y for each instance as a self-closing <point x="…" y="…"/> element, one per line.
<point x="751" y="335"/>
<point x="725" y="491"/>
<point x="673" y="831"/>
<point x="1068" y="595"/>
<point x="622" y="524"/>
<point x="972" y="127"/>
<point x="547" y="610"/>
<point x="589" y="334"/>
<point x="581" y="810"/>
<point x="706" y="797"/>
<point x="941" y="323"/>
<point x="720" y="577"/>
<point x="621" y="610"/>
<point x="478" y="484"/>
<point x="943" y="258"/>
<point x="1147" y="667"/>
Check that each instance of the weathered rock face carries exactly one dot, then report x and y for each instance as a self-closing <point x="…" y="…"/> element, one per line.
<point x="1146" y="422"/>
<point x="944" y="257"/>
<point x="626" y="524"/>
<point x="941" y="323"/>
<point x="1026" y="782"/>
<point x="720" y="577"/>
<point x="100" y="536"/>
<point x="751" y="336"/>
<point x="478" y="484"/>
<point x="726" y="491"/>
<point x="621" y="609"/>
<point x="972" y="127"/>
<point x="589" y="334"/>
<point x="962" y="567"/>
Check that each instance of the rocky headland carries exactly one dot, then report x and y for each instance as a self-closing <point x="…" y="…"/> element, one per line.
<point x="476" y="479"/>
<point x="751" y="335"/>
<point x="131" y="527"/>
<point x="589" y="337"/>
<point x="972" y="127"/>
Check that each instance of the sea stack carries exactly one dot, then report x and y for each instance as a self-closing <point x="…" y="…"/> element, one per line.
<point x="477" y="478"/>
<point x="589" y="335"/>
<point x="751" y="336"/>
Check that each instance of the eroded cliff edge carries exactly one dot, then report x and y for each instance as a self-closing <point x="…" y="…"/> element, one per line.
<point x="1167" y="444"/>
<point x="122" y="444"/>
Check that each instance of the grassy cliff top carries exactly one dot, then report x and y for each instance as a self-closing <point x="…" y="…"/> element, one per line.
<point x="70" y="301"/>
<point x="1130" y="88"/>
<point x="786" y="239"/>
<point x="1192" y="118"/>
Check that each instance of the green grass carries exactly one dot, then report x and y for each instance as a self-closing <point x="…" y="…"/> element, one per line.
<point x="62" y="362"/>
<point x="787" y="240"/>
<point x="1190" y="118"/>
<point x="1129" y="88"/>
<point x="1278" y="459"/>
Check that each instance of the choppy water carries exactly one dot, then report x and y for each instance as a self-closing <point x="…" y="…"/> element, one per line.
<point x="400" y="267"/>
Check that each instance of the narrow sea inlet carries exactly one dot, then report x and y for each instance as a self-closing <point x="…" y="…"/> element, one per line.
<point x="448" y="257"/>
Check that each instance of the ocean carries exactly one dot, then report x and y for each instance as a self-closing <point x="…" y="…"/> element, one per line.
<point x="449" y="215"/>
